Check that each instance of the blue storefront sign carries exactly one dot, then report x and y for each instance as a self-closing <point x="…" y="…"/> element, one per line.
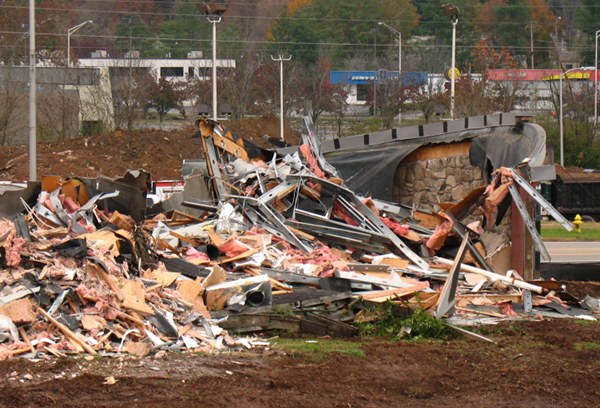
<point x="367" y="77"/>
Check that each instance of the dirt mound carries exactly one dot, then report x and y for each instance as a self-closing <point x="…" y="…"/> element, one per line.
<point x="159" y="152"/>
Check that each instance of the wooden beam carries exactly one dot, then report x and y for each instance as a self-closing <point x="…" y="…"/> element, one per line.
<point x="67" y="332"/>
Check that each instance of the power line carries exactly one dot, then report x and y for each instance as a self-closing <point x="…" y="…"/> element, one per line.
<point x="275" y="18"/>
<point x="266" y="42"/>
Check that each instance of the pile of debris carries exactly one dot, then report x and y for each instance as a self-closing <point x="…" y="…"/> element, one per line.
<point x="281" y="245"/>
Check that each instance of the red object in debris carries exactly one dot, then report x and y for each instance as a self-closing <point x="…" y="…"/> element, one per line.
<point x="13" y="253"/>
<point x="233" y="247"/>
<point x="311" y="160"/>
<point x="193" y="254"/>
<point x="400" y="229"/>
<point x="339" y="211"/>
<point x="507" y="309"/>
<point x="321" y="256"/>
<point x="371" y="205"/>
<point x="69" y="204"/>
<point x="438" y="238"/>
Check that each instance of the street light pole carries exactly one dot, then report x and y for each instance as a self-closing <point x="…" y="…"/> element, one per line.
<point x="452" y="11"/>
<point x="280" y="59"/>
<point x="560" y="95"/>
<point x="452" y="70"/>
<point x="213" y="12"/>
<point x="399" y="34"/>
<point x="374" y="31"/>
<point x="560" y="119"/>
<point x="32" y="96"/>
<point x="214" y="20"/>
<point x="558" y="47"/>
<point x="69" y="32"/>
<point x="596" y="80"/>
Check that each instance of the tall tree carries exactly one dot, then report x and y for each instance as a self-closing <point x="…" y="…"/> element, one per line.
<point x="134" y="35"/>
<point x="434" y="23"/>
<point x="510" y="24"/>
<point x="239" y="84"/>
<point x="307" y="28"/>
<point x="324" y="96"/>
<point x="186" y="30"/>
<point x="165" y="95"/>
<point x="588" y="21"/>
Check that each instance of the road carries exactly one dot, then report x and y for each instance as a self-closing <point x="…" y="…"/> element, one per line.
<point x="574" y="251"/>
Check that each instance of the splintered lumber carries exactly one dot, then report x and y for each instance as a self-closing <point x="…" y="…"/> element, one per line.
<point x="94" y="269"/>
<point x="67" y="332"/>
<point x="255" y="271"/>
<point x="492" y="276"/>
<point x="384" y="295"/>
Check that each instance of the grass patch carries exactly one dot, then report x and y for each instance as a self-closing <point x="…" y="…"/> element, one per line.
<point x="586" y="345"/>
<point x="318" y="350"/>
<point x="552" y="231"/>
<point x="584" y="322"/>
<point x="419" y="325"/>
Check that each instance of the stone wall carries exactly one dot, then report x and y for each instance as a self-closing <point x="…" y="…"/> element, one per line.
<point x="443" y="174"/>
<point x="428" y="182"/>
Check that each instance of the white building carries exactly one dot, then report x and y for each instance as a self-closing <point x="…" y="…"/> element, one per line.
<point x="181" y="69"/>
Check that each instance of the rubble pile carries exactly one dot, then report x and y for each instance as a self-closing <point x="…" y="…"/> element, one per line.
<point x="282" y="245"/>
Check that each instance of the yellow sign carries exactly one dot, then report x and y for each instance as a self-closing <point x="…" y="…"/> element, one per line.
<point x="450" y="71"/>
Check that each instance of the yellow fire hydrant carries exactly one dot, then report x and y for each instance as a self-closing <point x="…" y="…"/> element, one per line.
<point x="577" y="223"/>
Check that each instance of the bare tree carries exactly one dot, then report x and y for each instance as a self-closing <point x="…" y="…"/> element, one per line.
<point x="391" y="99"/>
<point x="13" y="96"/>
<point x="96" y="103"/>
<point x="239" y="84"/>
<point x="428" y="97"/>
<point x="130" y="86"/>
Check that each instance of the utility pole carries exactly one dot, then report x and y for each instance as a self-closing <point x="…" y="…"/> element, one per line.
<point x="32" y="96"/>
<point x="531" y="27"/>
<point x="452" y="11"/>
<point x="399" y="34"/>
<point x="560" y="95"/>
<point x="281" y="59"/>
<point x="374" y="31"/>
<point x="596" y="79"/>
<point x="214" y="20"/>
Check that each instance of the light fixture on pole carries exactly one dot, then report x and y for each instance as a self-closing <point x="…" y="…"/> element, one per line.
<point x="214" y="12"/>
<point x="281" y="59"/>
<point x="452" y="11"/>
<point x="32" y="96"/>
<point x="596" y="79"/>
<point x="69" y="32"/>
<point x="399" y="34"/>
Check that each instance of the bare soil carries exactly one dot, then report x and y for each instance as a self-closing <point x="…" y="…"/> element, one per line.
<point x="160" y="153"/>
<point x="536" y="364"/>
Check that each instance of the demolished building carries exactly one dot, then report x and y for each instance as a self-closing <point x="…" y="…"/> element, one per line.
<point x="320" y="230"/>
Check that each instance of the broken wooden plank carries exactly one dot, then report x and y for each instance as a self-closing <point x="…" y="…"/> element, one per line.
<point x="492" y="276"/>
<point x="67" y="332"/>
<point x="385" y="295"/>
